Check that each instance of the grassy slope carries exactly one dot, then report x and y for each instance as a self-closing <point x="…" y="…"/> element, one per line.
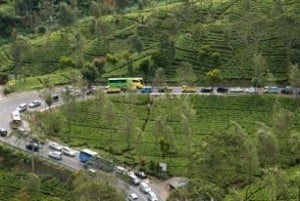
<point x="49" y="48"/>
<point x="214" y="114"/>
<point x="15" y="173"/>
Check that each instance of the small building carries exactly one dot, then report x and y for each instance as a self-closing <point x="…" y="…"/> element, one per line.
<point x="176" y="182"/>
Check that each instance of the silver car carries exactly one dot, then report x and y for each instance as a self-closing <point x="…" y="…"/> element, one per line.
<point x="55" y="146"/>
<point x="55" y="155"/>
<point x="68" y="152"/>
<point x="22" y="107"/>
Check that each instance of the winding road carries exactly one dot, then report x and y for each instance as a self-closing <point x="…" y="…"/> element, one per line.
<point x="9" y="104"/>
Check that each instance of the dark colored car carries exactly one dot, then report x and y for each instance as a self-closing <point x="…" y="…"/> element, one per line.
<point x="32" y="146"/>
<point x="3" y="132"/>
<point x="164" y="89"/>
<point x="55" y="97"/>
<point x="140" y="174"/>
<point x="222" y="90"/>
<point x="207" y="90"/>
<point x="287" y="91"/>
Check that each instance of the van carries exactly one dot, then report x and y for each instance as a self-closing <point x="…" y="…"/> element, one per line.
<point x="152" y="196"/>
<point x="134" y="179"/>
<point x="144" y="187"/>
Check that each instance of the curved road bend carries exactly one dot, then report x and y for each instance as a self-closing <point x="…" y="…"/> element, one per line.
<point x="9" y="104"/>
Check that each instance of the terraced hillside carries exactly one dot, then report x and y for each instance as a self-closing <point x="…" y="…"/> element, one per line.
<point x="102" y="126"/>
<point x="218" y="34"/>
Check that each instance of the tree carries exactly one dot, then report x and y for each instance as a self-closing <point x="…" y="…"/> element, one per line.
<point x="188" y="114"/>
<point x="294" y="75"/>
<point x="267" y="146"/>
<point x="67" y="16"/>
<point x="68" y="97"/>
<point x="146" y="68"/>
<point x="160" y="78"/>
<point x="66" y="62"/>
<point x="22" y="195"/>
<point x="136" y="43"/>
<point x="90" y="74"/>
<point x="226" y="158"/>
<point x="165" y="55"/>
<point x="214" y="77"/>
<point x="20" y="50"/>
<point x="185" y="74"/>
<point x="276" y="185"/>
<point x="128" y="125"/>
<point x="47" y="91"/>
<point x="88" y="188"/>
<point x="259" y="70"/>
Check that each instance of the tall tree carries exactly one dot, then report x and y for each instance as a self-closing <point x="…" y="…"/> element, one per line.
<point x="47" y="92"/>
<point x="94" y="189"/>
<point x="185" y="74"/>
<point x="160" y="78"/>
<point x="267" y="146"/>
<point x="214" y="77"/>
<point x="294" y="75"/>
<point x="259" y="70"/>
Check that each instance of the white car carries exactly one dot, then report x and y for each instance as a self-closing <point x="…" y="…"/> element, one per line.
<point x="236" y="90"/>
<point x="55" y="146"/>
<point x="250" y="90"/>
<point x="55" y="155"/>
<point x="133" y="197"/>
<point x="22" y="107"/>
<point x="144" y="187"/>
<point x="35" y="103"/>
<point x="68" y="151"/>
<point x="152" y="196"/>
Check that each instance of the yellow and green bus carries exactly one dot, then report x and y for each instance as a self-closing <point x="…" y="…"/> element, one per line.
<point x="130" y="83"/>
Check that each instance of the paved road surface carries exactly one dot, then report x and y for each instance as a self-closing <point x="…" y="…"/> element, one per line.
<point x="9" y="104"/>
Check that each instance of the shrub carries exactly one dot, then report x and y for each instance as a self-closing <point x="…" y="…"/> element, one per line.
<point x="66" y="62"/>
<point x="204" y="52"/>
<point x="111" y="58"/>
<point x="41" y="29"/>
<point x="215" y="57"/>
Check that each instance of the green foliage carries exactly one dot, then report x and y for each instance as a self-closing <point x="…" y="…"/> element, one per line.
<point x="214" y="77"/>
<point x="67" y="16"/>
<point x="112" y="58"/>
<point x="66" y="62"/>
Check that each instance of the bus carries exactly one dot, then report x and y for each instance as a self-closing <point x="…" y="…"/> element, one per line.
<point x="16" y="119"/>
<point x="86" y="155"/>
<point x="131" y="83"/>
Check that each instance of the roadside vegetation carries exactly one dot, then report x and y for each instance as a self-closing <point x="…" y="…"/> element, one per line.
<point x="230" y="142"/>
<point x="19" y="182"/>
<point x="232" y="148"/>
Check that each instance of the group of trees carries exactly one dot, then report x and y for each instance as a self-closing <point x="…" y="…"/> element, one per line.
<point x="234" y="159"/>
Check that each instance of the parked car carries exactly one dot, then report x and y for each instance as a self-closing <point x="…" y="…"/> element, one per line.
<point x="55" y="155"/>
<point x="287" y="90"/>
<point x="271" y="90"/>
<point x="68" y="151"/>
<point x="207" y="90"/>
<point x="145" y="188"/>
<point x="134" y="179"/>
<point x="250" y="90"/>
<point x="132" y="197"/>
<point x="22" y="107"/>
<point x="222" y="90"/>
<point x="32" y="146"/>
<point x="55" y="146"/>
<point x="3" y="132"/>
<point x="188" y="89"/>
<point x="164" y="90"/>
<point x="152" y="196"/>
<point x="55" y="97"/>
<point x="35" y="103"/>
<point x="236" y="90"/>
<point x="140" y="174"/>
<point x="146" y="89"/>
